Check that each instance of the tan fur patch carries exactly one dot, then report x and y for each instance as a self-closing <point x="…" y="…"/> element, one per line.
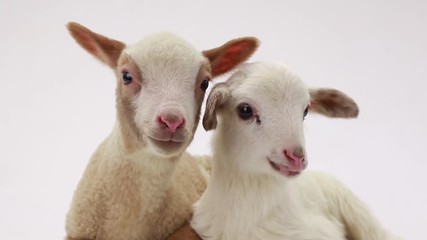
<point x="204" y="71"/>
<point x="185" y="233"/>
<point x="133" y="68"/>
<point x="124" y="103"/>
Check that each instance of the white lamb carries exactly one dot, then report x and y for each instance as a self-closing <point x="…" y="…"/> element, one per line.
<point x="140" y="183"/>
<point x="257" y="189"/>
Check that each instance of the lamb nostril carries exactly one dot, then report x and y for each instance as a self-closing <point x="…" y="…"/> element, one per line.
<point x="171" y="121"/>
<point x="295" y="156"/>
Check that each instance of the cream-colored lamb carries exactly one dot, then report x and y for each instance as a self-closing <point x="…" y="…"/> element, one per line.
<point x="140" y="183"/>
<point x="258" y="189"/>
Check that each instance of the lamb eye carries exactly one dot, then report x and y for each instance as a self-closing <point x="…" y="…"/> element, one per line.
<point x="205" y="84"/>
<point x="245" y="111"/>
<point x="127" y="78"/>
<point x="305" y="112"/>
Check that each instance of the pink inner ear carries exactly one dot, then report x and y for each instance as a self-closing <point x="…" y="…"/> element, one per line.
<point x="237" y="48"/>
<point x="88" y="43"/>
<point x="230" y="57"/>
<point x="86" y="40"/>
<point x="312" y="105"/>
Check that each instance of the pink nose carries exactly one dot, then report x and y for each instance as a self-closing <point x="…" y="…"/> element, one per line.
<point x="295" y="158"/>
<point x="171" y="121"/>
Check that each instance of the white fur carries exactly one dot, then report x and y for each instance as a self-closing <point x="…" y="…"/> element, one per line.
<point x="168" y="65"/>
<point x="246" y="198"/>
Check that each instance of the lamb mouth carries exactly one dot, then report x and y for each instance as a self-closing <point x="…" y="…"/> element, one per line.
<point x="284" y="170"/>
<point x="167" y="145"/>
<point x="170" y="139"/>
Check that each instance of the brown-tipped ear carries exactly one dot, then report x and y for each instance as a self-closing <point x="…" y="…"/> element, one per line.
<point x="105" y="49"/>
<point x="217" y="97"/>
<point x="231" y="54"/>
<point x="332" y="103"/>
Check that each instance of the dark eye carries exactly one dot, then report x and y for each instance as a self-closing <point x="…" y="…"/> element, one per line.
<point x="305" y="112"/>
<point x="245" y="111"/>
<point x="127" y="77"/>
<point x="205" y="84"/>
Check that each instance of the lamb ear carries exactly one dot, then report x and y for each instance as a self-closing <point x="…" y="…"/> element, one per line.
<point x="105" y="49"/>
<point x="332" y="103"/>
<point x="231" y="54"/>
<point x="217" y="97"/>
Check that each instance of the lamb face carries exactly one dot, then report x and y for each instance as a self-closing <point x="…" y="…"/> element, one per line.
<point x="170" y="78"/>
<point x="262" y="106"/>
<point x="261" y="110"/>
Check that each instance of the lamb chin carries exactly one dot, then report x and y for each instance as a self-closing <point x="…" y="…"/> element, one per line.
<point x="167" y="147"/>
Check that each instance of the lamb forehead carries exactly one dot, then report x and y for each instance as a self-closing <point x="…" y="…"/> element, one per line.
<point x="269" y="81"/>
<point x="165" y="48"/>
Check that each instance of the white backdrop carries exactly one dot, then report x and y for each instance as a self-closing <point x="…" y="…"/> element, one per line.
<point x="57" y="102"/>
